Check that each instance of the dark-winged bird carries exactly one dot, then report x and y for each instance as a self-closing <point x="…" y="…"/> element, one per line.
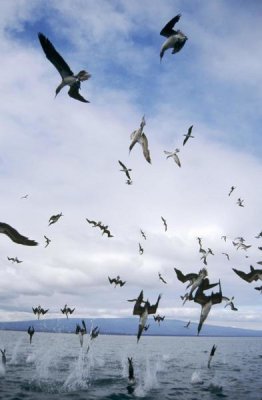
<point x="187" y="325"/>
<point x="94" y="333"/>
<point x="81" y="331"/>
<point x="47" y="241"/>
<point x="161" y="278"/>
<point x="164" y="222"/>
<point x="175" y="39"/>
<point x="14" y="259"/>
<point x="30" y="331"/>
<point x="143" y="234"/>
<point x="116" y="281"/>
<point x="258" y="288"/>
<point x="231" y="190"/>
<point x="212" y="352"/>
<point x="38" y="311"/>
<point x="54" y="218"/>
<point x="158" y="318"/>
<point x="140" y="249"/>
<point x="188" y="135"/>
<point x="68" y="77"/>
<point x="16" y="236"/>
<point x="125" y="170"/>
<point x="67" y="310"/>
<point x="253" y="275"/>
<point x="229" y="302"/>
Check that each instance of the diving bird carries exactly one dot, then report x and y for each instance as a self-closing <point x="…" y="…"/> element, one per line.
<point x="131" y="376"/>
<point x="81" y="331"/>
<point x="188" y="135"/>
<point x="47" y="241"/>
<point x="68" y="77"/>
<point x="54" y="218"/>
<point x="161" y="278"/>
<point x="139" y="137"/>
<point x="125" y="170"/>
<point x="94" y="333"/>
<point x="143" y="234"/>
<point x="174" y="155"/>
<point x="175" y="39"/>
<point x="129" y="182"/>
<point x="231" y="190"/>
<point x="30" y="331"/>
<point x="195" y="280"/>
<point x="38" y="311"/>
<point x="253" y="275"/>
<point x="212" y="352"/>
<point x="116" y="281"/>
<point x="67" y="310"/>
<point x="224" y="238"/>
<point x="165" y="223"/>
<point x="16" y="236"/>
<point x="3" y="357"/>
<point x="240" y="202"/>
<point x="229" y="302"/>
<point x="227" y="256"/>
<point x="187" y="325"/>
<point x="140" y="249"/>
<point x="206" y="303"/>
<point x="158" y="318"/>
<point x="14" y="259"/>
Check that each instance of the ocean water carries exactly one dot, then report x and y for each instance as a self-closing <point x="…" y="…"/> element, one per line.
<point x="54" y="366"/>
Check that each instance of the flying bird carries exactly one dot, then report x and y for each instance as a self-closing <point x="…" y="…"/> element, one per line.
<point x="158" y="318"/>
<point x="14" y="259"/>
<point x="231" y="190"/>
<point x="47" y="241"/>
<point x="38" y="311"/>
<point x="188" y="135"/>
<point x="229" y="302"/>
<point x="164" y="222"/>
<point x="240" y="202"/>
<point x="187" y="325"/>
<point x="175" y="39"/>
<point x="94" y="333"/>
<point x="143" y="234"/>
<point x="174" y="155"/>
<point x="141" y="250"/>
<point x="125" y="170"/>
<point x="116" y="281"/>
<point x="54" y="218"/>
<point x="161" y="278"/>
<point x="258" y="288"/>
<point x="227" y="256"/>
<point x="139" y="137"/>
<point x="16" y="236"/>
<point x="81" y="331"/>
<point x="67" y="310"/>
<point x="253" y="275"/>
<point x="24" y="197"/>
<point x="68" y="77"/>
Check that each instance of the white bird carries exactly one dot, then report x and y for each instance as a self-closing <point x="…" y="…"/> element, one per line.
<point x="68" y="77"/>
<point x="175" y="39"/>
<point x="139" y="137"/>
<point x="174" y="155"/>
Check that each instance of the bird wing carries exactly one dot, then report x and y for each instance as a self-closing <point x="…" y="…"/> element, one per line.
<point x="168" y="28"/>
<point x="184" y="278"/>
<point x="152" y="309"/>
<point x="16" y="236"/>
<point x="134" y="137"/>
<point x="200" y="297"/>
<point x="176" y="159"/>
<point x="144" y="143"/>
<point x="247" y="277"/>
<point x="74" y="92"/>
<point x="54" y="57"/>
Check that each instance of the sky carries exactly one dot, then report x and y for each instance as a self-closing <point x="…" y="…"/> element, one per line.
<point x="64" y="155"/>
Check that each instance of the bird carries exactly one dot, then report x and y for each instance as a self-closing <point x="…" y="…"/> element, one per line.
<point x="212" y="352"/>
<point x="229" y="302"/>
<point x="14" y="259"/>
<point x="131" y="376"/>
<point x="259" y="235"/>
<point x="81" y="331"/>
<point x="54" y="218"/>
<point x="116" y="281"/>
<point x="175" y="39"/>
<point x="165" y="223"/>
<point x="206" y="303"/>
<point x="185" y="298"/>
<point x="253" y="275"/>
<point x="140" y="249"/>
<point x="47" y="241"/>
<point x="224" y="238"/>
<point x="129" y="182"/>
<point x="94" y="333"/>
<point x="125" y="170"/>
<point x="258" y="288"/>
<point x="16" y="236"/>
<point x="158" y="318"/>
<point x="38" y="311"/>
<point x="30" y="331"/>
<point x="174" y="155"/>
<point x="231" y="190"/>
<point x="139" y="137"/>
<point x="227" y="256"/>
<point x="240" y="202"/>
<point x="143" y="234"/>
<point x="68" y="77"/>
<point x="188" y="135"/>
<point x="3" y="357"/>
<point x="161" y="278"/>
<point x="187" y="325"/>
<point x="67" y="310"/>
<point x="24" y="197"/>
<point x="107" y="231"/>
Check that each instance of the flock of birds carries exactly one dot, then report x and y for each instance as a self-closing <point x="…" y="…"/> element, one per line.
<point x="198" y="282"/>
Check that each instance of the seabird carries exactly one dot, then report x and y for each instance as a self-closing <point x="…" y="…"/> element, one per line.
<point x="14" y="259"/>
<point x="38" y="311"/>
<point x="94" y="333"/>
<point x="129" y="182"/>
<point x="253" y="275"/>
<point x="206" y="303"/>
<point x="259" y="235"/>
<point x="227" y="256"/>
<point x="54" y="218"/>
<point x="174" y="155"/>
<point x="47" y="241"/>
<point x="229" y="303"/>
<point x="125" y="170"/>
<point x="231" y="190"/>
<point x="141" y="250"/>
<point x="16" y="236"/>
<point x="185" y="298"/>
<point x="139" y="137"/>
<point x="212" y="352"/>
<point x="30" y="331"/>
<point x="116" y="281"/>
<point x="24" y="197"/>
<point x="258" y="288"/>
<point x="143" y="234"/>
<point x="94" y="223"/>
<point x="161" y="278"/>
<point x="81" y="332"/>
<point x="68" y="77"/>
<point x="187" y="325"/>
<point x="158" y="318"/>
<point x="175" y="39"/>
<point x="67" y="310"/>
<point x="164" y="222"/>
<point x="224" y="238"/>
<point x="131" y="376"/>
<point x="188" y="135"/>
<point x="240" y="202"/>
<point x="195" y="280"/>
<point x="3" y="357"/>
<point x="107" y="231"/>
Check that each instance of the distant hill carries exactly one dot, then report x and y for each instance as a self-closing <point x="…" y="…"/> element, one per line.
<point x="127" y="326"/>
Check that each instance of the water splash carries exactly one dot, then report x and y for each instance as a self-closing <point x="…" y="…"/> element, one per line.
<point x="79" y="375"/>
<point x="14" y="355"/>
<point x="196" y="378"/>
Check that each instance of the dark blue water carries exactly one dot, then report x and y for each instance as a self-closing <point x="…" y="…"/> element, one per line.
<point x="55" y="367"/>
